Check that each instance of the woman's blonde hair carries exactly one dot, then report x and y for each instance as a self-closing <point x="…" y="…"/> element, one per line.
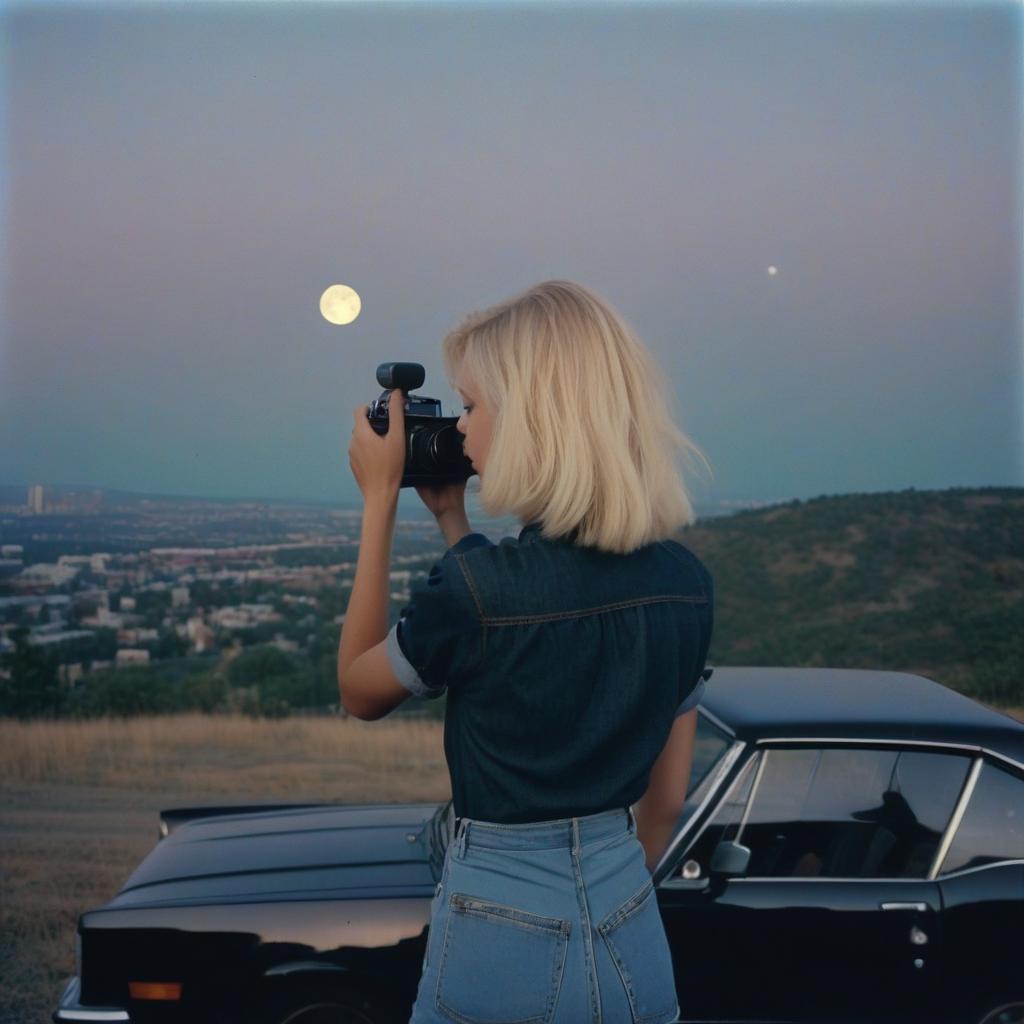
<point x="583" y="439"/>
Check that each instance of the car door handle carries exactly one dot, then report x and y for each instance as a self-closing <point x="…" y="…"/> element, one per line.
<point x="904" y="906"/>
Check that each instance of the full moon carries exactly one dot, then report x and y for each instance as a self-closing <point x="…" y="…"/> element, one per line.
<point x="340" y="304"/>
<point x="773" y="271"/>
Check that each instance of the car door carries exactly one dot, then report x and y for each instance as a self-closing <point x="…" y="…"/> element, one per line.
<point x="835" y="917"/>
<point x="981" y="879"/>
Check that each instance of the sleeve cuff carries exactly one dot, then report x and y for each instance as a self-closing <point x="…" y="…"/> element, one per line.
<point x="404" y="671"/>
<point x="692" y="700"/>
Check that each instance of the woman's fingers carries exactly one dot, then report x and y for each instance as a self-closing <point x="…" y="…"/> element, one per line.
<point x="378" y="462"/>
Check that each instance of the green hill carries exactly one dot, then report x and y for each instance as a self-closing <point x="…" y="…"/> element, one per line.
<point x="918" y="581"/>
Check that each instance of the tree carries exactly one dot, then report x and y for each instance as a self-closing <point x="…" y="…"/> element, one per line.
<point x="170" y="645"/>
<point x="33" y="687"/>
<point x="255" y="664"/>
<point x="135" y="690"/>
<point x="206" y="691"/>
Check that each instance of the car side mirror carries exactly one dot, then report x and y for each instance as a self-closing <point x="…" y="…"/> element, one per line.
<point x="729" y="858"/>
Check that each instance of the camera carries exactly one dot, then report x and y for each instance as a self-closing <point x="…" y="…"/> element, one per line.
<point x="433" y="447"/>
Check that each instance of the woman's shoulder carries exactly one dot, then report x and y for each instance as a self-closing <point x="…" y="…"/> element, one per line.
<point x="678" y="550"/>
<point x="675" y="545"/>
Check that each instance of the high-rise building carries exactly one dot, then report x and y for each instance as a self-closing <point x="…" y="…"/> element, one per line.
<point x="35" y="499"/>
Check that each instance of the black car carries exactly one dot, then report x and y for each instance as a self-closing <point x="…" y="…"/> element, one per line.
<point x="851" y="849"/>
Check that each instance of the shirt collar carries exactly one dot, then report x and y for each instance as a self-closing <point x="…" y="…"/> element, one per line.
<point x="531" y="531"/>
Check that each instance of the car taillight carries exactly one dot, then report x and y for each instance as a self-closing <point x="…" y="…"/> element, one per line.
<point x="154" y="989"/>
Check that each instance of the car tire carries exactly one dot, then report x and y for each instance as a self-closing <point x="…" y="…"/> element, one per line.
<point x="1009" y="1013"/>
<point x="314" y="1001"/>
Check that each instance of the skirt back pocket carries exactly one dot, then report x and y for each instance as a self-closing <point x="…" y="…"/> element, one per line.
<point x="500" y="964"/>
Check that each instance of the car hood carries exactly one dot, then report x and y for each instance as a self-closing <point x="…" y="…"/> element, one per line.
<point x="332" y="852"/>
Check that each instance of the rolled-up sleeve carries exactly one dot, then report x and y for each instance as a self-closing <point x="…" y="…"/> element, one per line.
<point x="692" y="700"/>
<point x="437" y="639"/>
<point x="403" y="668"/>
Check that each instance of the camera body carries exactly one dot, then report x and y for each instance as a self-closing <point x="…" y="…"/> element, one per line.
<point x="433" y="447"/>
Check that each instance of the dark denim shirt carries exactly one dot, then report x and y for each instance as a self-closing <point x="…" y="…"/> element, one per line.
<point x="565" y="668"/>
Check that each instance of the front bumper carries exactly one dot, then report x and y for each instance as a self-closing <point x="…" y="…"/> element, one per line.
<point x="70" y="1008"/>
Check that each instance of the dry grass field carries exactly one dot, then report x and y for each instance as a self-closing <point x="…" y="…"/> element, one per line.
<point x="80" y="803"/>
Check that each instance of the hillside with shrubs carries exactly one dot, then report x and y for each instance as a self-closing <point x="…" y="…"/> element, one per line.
<point x="929" y="582"/>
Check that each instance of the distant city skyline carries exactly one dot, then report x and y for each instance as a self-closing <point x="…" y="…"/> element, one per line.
<point x="811" y="214"/>
<point x="40" y="499"/>
<point x="38" y="495"/>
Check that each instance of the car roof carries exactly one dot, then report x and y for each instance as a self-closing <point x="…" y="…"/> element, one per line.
<point x="758" y="702"/>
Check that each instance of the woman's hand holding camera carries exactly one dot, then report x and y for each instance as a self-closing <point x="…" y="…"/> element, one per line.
<point x="444" y="499"/>
<point x="378" y="462"/>
<point x="447" y="502"/>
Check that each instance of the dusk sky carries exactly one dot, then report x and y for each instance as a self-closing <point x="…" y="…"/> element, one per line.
<point x="180" y="184"/>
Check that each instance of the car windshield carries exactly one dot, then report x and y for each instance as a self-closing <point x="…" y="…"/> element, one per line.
<point x="709" y="747"/>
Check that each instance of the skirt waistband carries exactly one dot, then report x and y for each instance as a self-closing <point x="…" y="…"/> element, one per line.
<point x="536" y="835"/>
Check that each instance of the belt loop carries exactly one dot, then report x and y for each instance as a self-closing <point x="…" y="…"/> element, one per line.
<point x="460" y="842"/>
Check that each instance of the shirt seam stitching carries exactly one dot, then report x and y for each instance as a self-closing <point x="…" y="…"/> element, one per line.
<point x="468" y="577"/>
<point x="511" y="620"/>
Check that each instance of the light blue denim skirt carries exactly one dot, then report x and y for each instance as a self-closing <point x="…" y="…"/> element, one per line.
<point x="551" y="922"/>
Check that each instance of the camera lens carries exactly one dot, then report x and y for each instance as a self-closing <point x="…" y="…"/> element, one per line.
<point x="437" y="449"/>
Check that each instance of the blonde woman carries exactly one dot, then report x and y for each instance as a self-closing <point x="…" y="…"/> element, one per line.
<point x="571" y="656"/>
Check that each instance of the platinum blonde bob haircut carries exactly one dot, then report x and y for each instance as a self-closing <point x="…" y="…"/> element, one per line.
<point x="583" y="439"/>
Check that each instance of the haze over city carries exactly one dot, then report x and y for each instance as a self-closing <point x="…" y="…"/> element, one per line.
<point x="810" y="213"/>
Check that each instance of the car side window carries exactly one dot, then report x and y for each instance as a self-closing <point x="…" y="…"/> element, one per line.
<point x="992" y="828"/>
<point x="850" y="812"/>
